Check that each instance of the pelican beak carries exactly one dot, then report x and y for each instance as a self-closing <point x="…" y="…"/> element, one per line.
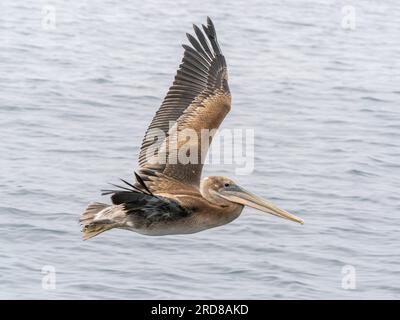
<point x="239" y="195"/>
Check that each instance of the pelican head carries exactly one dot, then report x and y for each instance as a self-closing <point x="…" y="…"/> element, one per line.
<point x="224" y="191"/>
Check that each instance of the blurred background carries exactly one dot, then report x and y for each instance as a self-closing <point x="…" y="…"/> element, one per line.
<point x="317" y="81"/>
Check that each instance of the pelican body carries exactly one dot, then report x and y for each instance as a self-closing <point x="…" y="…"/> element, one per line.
<point x="169" y="197"/>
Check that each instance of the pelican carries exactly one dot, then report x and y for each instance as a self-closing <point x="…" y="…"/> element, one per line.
<point x="169" y="197"/>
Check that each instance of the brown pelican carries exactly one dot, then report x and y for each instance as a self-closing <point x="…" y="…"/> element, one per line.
<point x="169" y="197"/>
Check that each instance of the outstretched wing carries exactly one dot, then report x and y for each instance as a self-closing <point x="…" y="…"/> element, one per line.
<point x="195" y="105"/>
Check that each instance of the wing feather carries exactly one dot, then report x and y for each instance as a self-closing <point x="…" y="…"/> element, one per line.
<point x="199" y="98"/>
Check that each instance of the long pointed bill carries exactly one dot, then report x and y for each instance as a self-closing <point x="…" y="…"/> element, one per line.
<point x="246" y="198"/>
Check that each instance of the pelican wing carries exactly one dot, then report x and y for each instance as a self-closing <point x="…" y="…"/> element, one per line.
<point x="175" y="143"/>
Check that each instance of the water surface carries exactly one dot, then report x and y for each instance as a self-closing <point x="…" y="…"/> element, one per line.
<point x="324" y="104"/>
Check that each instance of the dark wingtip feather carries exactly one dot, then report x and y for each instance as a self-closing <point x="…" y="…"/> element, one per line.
<point x="202" y="40"/>
<point x="107" y="192"/>
<point x="134" y="188"/>
<point x="140" y="180"/>
<point x="212" y="35"/>
<point x="209" y="22"/>
<point x="129" y="184"/>
<point x="211" y="28"/>
<point x="196" y="28"/>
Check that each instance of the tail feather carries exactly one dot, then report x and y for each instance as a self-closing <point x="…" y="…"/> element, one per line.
<point x="92" y="228"/>
<point x="95" y="228"/>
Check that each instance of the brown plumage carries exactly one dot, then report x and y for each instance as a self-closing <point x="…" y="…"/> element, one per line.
<point x="199" y="98"/>
<point x="168" y="197"/>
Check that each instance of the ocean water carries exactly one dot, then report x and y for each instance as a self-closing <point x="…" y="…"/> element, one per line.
<point x="322" y="96"/>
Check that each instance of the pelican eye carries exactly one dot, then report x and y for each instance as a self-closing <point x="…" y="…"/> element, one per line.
<point x="226" y="185"/>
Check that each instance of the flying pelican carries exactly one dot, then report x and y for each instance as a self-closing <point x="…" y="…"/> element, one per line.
<point x="169" y="197"/>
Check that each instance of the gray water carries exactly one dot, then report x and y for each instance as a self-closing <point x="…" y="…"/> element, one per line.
<point x="323" y="101"/>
